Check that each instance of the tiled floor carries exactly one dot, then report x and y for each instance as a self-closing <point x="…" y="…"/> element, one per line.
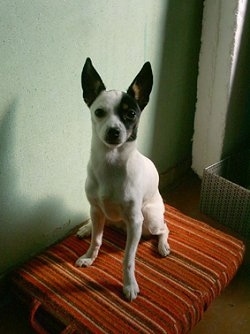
<point x="228" y="314"/>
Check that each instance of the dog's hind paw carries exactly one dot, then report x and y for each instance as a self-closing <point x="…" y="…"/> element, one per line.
<point x="163" y="250"/>
<point x="163" y="247"/>
<point x="131" y="291"/>
<point x="85" y="230"/>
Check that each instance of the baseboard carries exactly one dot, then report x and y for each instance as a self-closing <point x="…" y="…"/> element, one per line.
<point x="173" y="175"/>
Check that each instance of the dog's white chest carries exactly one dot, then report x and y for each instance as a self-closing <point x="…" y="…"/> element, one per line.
<point x="107" y="187"/>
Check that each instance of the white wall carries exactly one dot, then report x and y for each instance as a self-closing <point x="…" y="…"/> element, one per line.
<point x="44" y="126"/>
<point x="221" y="38"/>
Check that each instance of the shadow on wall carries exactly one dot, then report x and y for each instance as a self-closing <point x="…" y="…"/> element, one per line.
<point x="175" y="108"/>
<point x="237" y="133"/>
<point x="24" y="224"/>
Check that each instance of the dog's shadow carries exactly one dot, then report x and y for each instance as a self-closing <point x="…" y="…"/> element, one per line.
<point x="26" y="224"/>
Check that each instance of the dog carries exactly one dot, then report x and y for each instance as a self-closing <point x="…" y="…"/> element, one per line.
<point x="121" y="184"/>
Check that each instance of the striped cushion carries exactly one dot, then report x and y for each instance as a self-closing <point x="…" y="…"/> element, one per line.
<point x="175" y="291"/>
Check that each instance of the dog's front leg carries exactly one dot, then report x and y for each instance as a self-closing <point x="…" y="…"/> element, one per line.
<point x="130" y="286"/>
<point x="98" y="221"/>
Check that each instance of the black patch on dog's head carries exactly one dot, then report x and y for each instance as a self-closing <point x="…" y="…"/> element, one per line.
<point x="129" y="113"/>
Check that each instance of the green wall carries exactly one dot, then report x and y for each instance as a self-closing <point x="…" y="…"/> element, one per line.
<point x="44" y="125"/>
<point x="176" y="96"/>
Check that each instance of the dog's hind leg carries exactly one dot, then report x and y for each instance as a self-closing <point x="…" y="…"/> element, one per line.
<point x="85" y="230"/>
<point x="154" y="223"/>
<point x="98" y="221"/>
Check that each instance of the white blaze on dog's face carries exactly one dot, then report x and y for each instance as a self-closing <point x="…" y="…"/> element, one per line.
<point x="115" y="117"/>
<point x="115" y="114"/>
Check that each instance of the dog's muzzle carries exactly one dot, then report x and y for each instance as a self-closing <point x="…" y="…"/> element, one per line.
<point x="113" y="136"/>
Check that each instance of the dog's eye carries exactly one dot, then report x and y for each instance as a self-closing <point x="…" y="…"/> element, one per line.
<point x="130" y="115"/>
<point x="100" y="113"/>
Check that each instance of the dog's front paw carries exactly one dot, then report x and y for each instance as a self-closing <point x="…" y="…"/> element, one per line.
<point x="85" y="230"/>
<point x="131" y="291"/>
<point x="84" y="261"/>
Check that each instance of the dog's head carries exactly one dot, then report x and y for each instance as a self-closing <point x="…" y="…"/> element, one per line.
<point x="115" y="114"/>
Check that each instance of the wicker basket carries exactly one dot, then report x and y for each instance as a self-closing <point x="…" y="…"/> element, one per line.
<point x="225" y="192"/>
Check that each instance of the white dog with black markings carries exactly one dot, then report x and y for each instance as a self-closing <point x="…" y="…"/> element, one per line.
<point x="122" y="184"/>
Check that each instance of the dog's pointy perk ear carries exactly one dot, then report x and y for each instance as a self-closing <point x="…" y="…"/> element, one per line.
<point x="140" y="88"/>
<point x="92" y="84"/>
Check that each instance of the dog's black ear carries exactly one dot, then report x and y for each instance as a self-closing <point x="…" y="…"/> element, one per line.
<point x="141" y="87"/>
<point x="92" y="84"/>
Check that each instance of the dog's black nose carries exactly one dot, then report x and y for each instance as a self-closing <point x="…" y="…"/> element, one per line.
<point x="112" y="136"/>
<point x="113" y="132"/>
